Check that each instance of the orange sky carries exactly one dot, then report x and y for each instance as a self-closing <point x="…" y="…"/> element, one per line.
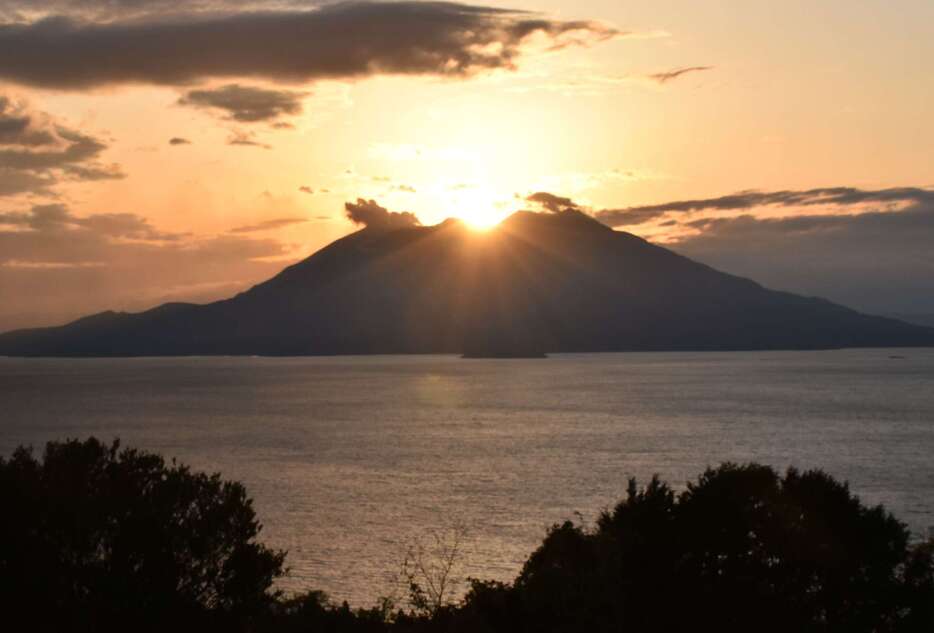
<point x="790" y="97"/>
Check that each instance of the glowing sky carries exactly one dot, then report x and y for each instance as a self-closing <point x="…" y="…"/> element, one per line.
<point x="147" y="157"/>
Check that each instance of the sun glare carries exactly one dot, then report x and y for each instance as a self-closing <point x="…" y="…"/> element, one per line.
<point x="482" y="221"/>
<point x="480" y="207"/>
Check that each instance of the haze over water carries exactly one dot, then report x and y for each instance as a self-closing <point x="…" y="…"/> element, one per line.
<point x="349" y="458"/>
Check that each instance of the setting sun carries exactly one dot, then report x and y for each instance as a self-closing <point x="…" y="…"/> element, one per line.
<point x="480" y="207"/>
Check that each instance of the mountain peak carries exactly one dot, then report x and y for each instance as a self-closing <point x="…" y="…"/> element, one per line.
<point x="567" y="219"/>
<point x="537" y="282"/>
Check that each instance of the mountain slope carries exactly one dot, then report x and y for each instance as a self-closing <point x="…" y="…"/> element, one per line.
<point x="538" y="283"/>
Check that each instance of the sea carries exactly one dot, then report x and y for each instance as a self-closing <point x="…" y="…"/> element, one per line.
<point x="353" y="462"/>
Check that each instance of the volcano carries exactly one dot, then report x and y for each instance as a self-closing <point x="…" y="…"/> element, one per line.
<point x="537" y="283"/>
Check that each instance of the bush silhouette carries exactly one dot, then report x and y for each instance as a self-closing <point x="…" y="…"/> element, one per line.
<point x="742" y="549"/>
<point x="95" y="538"/>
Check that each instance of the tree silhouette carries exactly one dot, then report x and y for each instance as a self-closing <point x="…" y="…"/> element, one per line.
<point x="429" y="567"/>
<point x="741" y="549"/>
<point x="95" y="538"/>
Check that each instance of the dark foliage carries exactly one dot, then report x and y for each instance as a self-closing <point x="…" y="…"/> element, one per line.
<point x="98" y="539"/>
<point x="742" y="549"/>
<point x="94" y="538"/>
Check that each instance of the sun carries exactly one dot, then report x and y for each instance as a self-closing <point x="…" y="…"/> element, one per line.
<point x="479" y="207"/>
<point x="482" y="220"/>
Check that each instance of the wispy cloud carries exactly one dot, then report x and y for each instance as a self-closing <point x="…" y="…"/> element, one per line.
<point x="244" y="138"/>
<point x="57" y="218"/>
<point x="670" y="75"/>
<point x="268" y="225"/>
<point x="588" y="83"/>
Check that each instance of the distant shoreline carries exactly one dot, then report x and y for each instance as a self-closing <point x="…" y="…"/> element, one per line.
<point x="473" y="356"/>
<point x="504" y="356"/>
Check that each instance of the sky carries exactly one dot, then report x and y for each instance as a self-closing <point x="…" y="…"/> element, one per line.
<point x="155" y="151"/>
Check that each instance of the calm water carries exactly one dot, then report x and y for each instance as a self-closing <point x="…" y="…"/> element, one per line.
<point x="349" y="459"/>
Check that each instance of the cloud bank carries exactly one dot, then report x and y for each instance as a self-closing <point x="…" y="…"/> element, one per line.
<point x="343" y="40"/>
<point x="827" y="196"/>
<point x="870" y="249"/>
<point x="878" y="261"/>
<point x="61" y="266"/>
<point x="37" y="153"/>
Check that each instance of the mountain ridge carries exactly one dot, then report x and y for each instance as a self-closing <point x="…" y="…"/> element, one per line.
<point x="538" y="282"/>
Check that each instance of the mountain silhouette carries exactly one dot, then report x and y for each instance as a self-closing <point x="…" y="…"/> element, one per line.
<point x="539" y="282"/>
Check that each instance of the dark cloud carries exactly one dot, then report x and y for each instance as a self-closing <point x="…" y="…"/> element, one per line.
<point x="60" y="265"/>
<point x="76" y="148"/>
<point x="111" y="9"/>
<point x="12" y="128"/>
<point x="19" y="127"/>
<point x="342" y="40"/>
<point x="551" y="202"/>
<point x="670" y="75"/>
<point x="306" y="189"/>
<point x="247" y="104"/>
<point x="558" y="204"/>
<point x="177" y="140"/>
<point x="13" y="182"/>
<point x="371" y="215"/>
<point x="827" y="196"/>
<point x="878" y="261"/>
<point x="36" y="153"/>
<point x="268" y="225"/>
